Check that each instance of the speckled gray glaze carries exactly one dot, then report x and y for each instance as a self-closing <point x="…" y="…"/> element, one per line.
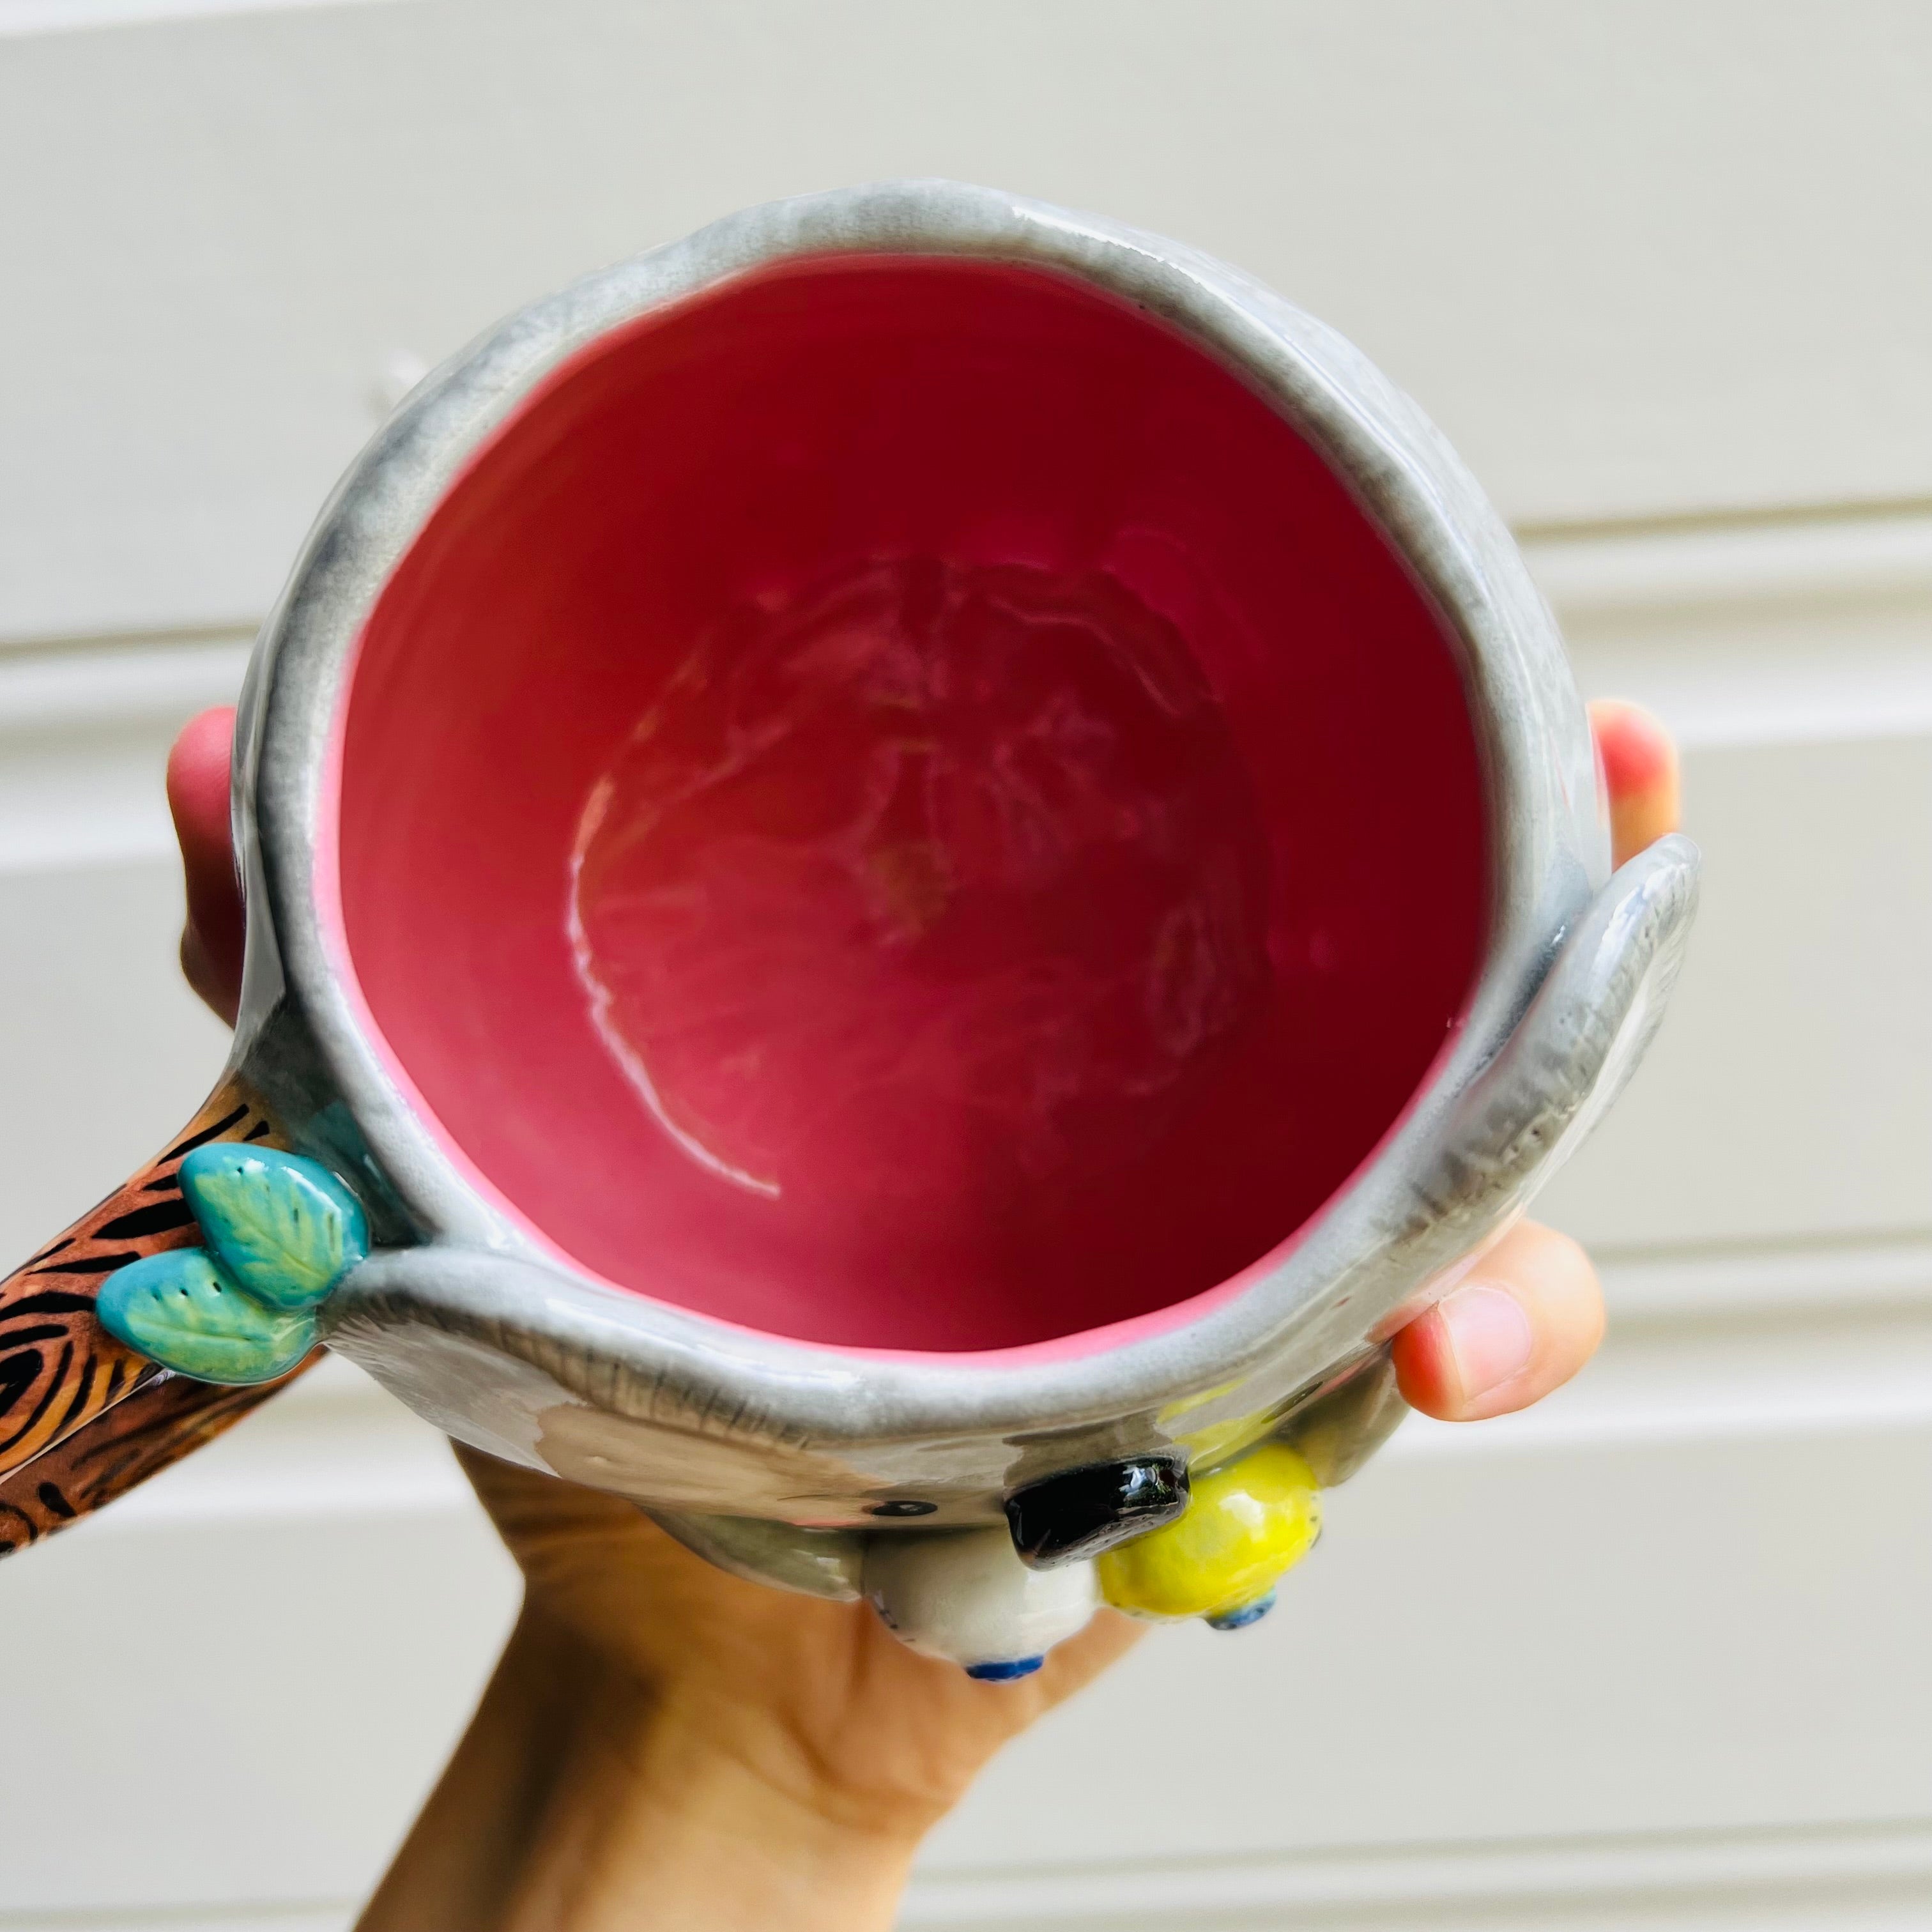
<point x="491" y="1339"/>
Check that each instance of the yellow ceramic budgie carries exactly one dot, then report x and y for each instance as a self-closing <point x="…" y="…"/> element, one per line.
<point x="1246" y="1526"/>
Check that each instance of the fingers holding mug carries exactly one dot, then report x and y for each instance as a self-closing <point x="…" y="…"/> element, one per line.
<point x="1529" y="1317"/>
<point x="198" y="783"/>
<point x="1533" y="1314"/>
<point x="1639" y="772"/>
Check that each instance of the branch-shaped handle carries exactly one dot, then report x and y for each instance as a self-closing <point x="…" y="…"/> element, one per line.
<point x="83" y="1418"/>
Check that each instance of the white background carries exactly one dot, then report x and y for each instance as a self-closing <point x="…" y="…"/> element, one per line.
<point x="1652" y="1657"/>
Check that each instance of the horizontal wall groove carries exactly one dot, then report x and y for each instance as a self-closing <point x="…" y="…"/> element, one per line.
<point x="1745" y="567"/>
<point x="160" y="637"/>
<point x="1648" y="1872"/>
<point x="20" y="19"/>
<point x="1818" y="1276"/>
<point x="1721" y="516"/>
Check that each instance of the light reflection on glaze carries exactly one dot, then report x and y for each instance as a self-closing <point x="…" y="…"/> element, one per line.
<point x="591" y="971"/>
<point x="929" y="883"/>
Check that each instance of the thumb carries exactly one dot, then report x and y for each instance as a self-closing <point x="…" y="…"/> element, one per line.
<point x="211" y="948"/>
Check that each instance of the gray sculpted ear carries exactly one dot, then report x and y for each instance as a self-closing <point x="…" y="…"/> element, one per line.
<point x="1584" y="1033"/>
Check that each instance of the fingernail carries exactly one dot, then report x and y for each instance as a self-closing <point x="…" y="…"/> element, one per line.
<point x="1489" y="1335"/>
<point x="1637" y="752"/>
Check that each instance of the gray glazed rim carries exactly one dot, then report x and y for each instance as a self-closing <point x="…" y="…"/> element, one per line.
<point x="1549" y="850"/>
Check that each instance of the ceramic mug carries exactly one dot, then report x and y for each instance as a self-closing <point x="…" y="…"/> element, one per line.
<point x="913" y="867"/>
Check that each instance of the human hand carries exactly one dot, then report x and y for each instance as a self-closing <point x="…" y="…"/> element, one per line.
<point x="658" y="1731"/>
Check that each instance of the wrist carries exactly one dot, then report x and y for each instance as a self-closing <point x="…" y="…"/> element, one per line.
<point x="664" y="1802"/>
<point x="709" y="1839"/>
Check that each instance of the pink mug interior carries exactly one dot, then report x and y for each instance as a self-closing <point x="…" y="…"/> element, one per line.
<point x="898" y="804"/>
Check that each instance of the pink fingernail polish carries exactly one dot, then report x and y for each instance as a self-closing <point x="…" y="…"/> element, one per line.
<point x="1490" y="1336"/>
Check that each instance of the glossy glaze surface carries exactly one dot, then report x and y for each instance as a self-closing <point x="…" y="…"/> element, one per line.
<point x="1010" y="842"/>
<point x="964" y="1595"/>
<point x="282" y="1233"/>
<point x="1245" y="1526"/>
<point x="486" y="1330"/>
<point x="1081" y="1512"/>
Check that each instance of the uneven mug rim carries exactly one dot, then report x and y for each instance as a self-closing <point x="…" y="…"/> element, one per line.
<point x="1548" y="852"/>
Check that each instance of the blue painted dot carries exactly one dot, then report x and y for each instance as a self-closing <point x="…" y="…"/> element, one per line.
<point x="1248" y="1613"/>
<point x="1005" y="1673"/>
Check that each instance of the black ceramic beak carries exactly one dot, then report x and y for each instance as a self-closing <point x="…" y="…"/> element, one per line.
<point x="1082" y="1512"/>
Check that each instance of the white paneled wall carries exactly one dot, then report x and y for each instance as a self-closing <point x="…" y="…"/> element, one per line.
<point x="1651" y="1656"/>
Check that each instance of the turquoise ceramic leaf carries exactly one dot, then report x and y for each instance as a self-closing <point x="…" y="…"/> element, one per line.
<point x="182" y="1310"/>
<point x="284" y="1227"/>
